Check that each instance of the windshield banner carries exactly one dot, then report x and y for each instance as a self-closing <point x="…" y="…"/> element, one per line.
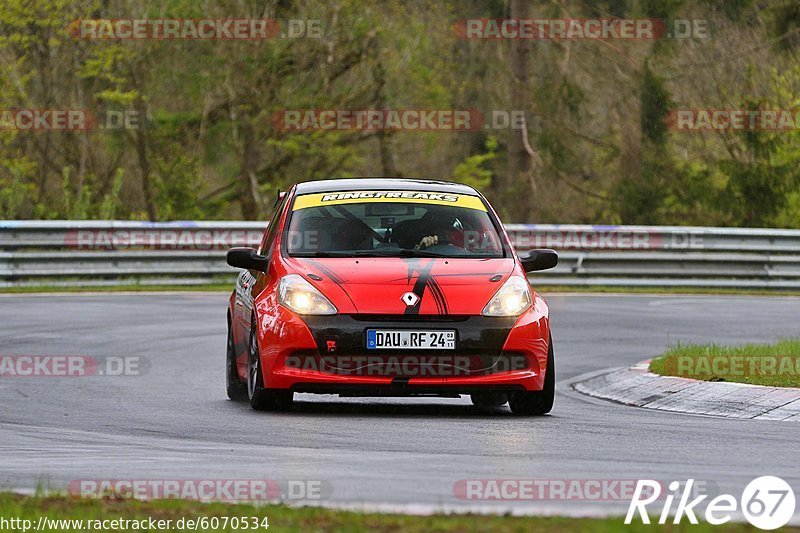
<point x="415" y="197"/>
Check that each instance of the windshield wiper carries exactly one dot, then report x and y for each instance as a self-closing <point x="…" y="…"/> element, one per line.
<point x="396" y="252"/>
<point x="392" y="252"/>
<point x="387" y="252"/>
<point x="334" y="253"/>
<point x="408" y="252"/>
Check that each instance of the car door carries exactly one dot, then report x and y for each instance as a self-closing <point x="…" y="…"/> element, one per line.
<point x="249" y="284"/>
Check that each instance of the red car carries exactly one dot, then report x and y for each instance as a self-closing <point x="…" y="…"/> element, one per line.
<point x="388" y="287"/>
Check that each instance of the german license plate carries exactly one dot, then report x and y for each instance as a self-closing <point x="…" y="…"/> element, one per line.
<point x="405" y="339"/>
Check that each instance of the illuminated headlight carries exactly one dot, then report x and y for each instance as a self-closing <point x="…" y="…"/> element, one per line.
<point x="303" y="298"/>
<point x="512" y="299"/>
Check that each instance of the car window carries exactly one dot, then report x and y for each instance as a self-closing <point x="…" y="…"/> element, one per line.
<point x="269" y="236"/>
<point x="363" y="223"/>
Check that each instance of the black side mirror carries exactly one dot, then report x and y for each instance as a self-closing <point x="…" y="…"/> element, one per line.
<point x="540" y="259"/>
<point x="247" y="258"/>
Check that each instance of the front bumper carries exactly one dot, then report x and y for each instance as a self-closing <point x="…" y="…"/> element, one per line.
<point x="328" y="354"/>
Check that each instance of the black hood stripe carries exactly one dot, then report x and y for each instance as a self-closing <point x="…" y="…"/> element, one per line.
<point x="422" y="282"/>
<point x="334" y="278"/>
<point x="328" y="272"/>
<point x="438" y="295"/>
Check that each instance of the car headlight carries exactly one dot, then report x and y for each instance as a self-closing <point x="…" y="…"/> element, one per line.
<point x="302" y="297"/>
<point x="512" y="299"/>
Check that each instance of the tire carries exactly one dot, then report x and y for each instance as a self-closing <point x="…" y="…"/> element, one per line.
<point x="263" y="399"/>
<point x="488" y="400"/>
<point x="529" y="403"/>
<point x="237" y="390"/>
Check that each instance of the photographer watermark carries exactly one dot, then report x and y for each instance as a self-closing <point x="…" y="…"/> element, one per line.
<point x="595" y="490"/>
<point x="296" y="120"/>
<point x="733" y="120"/>
<point x="705" y="366"/>
<point x="227" y="490"/>
<point x="194" y="29"/>
<point x="602" y="238"/>
<point x="767" y="502"/>
<point x="405" y="365"/>
<point x="68" y="120"/>
<point x="544" y="489"/>
<point x="161" y="239"/>
<point x="641" y="29"/>
<point x="118" y="523"/>
<point x="72" y="366"/>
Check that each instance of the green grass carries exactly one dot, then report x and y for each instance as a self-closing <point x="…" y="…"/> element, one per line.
<point x="547" y="289"/>
<point x="776" y="365"/>
<point x="215" y="287"/>
<point x="284" y="518"/>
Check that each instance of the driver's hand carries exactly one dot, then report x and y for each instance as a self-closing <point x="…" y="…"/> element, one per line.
<point x="427" y="242"/>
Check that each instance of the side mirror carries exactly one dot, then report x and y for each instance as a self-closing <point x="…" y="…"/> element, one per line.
<point x="540" y="259"/>
<point x="247" y="258"/>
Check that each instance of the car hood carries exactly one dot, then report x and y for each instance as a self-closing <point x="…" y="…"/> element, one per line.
<point x="376" y="285"/>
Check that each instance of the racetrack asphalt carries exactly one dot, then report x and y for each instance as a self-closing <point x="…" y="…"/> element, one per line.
<point x="175" y="422"/>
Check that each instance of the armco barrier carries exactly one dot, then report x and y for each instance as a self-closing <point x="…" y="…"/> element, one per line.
<point x="92" y="253"/>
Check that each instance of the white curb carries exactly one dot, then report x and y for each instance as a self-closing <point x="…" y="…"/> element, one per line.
<point x="638" y="387"/>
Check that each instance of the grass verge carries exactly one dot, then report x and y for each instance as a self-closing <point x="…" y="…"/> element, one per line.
<point x="221" y="287"/>
<point x="774" y="365"/>
<point x="284" y="518"/>
<point x="547" y="289"/>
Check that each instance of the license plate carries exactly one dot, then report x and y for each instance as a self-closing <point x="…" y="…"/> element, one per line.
<point x="405" y="339"/>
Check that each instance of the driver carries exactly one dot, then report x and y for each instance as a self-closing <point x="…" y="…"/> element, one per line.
<point x="440" y="226"/>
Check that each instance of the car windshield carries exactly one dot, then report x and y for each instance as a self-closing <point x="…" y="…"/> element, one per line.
<point x="391" y="224"/>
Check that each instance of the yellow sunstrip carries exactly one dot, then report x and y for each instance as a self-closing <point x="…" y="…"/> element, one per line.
<point x="412" y="197"/>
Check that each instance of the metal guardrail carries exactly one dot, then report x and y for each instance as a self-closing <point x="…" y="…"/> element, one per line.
<point x="96" y="253"/>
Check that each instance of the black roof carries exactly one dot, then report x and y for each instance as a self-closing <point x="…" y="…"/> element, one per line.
<point x="389" y="184"/>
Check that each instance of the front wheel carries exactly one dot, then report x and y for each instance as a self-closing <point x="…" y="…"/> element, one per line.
<point x="527" y="403"/>
<point x="261" y="398"/>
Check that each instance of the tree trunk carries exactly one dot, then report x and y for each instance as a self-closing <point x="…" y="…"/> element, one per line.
<point x="248" y="184"/>
<point x="517" y="185"/>
<point x="388" y="167"/>
<point x="140" y="136"/>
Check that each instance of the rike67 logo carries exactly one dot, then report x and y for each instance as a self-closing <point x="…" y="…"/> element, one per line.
<point x="767" y="502"/>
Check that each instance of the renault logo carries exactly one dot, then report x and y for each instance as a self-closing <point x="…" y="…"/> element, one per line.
<point x="410" y="299"/>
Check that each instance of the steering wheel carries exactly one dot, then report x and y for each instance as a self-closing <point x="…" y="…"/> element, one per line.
<point x="443" y="237"/>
